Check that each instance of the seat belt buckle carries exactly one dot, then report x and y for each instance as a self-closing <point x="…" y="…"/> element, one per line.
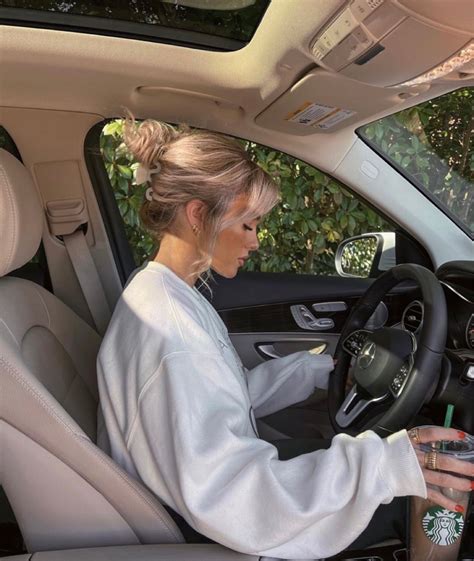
<point x="65" y="216"/>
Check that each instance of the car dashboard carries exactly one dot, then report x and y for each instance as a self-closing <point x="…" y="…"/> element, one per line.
<point x="456" y="385"/>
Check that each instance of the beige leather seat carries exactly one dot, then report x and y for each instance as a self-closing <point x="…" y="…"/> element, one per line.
<point x="65" y="492"/>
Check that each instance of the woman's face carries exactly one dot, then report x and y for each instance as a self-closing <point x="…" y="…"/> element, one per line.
<point x="234" y="244"/>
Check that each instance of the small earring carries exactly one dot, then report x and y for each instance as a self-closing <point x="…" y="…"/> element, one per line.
<point x="195" y="229"/>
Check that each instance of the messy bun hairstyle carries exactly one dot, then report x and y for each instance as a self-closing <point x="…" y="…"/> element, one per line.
<point x="197" y="164"/>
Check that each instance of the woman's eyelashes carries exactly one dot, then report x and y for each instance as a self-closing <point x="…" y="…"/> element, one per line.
<point x="248" y="228"/>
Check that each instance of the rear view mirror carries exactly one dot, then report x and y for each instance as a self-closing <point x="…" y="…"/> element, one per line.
<point x="366" y="255"/>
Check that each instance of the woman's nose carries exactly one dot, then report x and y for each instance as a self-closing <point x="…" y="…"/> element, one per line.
<point x="254" y="244"/>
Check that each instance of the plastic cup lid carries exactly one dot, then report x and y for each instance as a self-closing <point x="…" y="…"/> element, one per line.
<point x="461" y="449"/>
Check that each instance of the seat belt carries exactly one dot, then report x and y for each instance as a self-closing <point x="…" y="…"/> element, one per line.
<point x="88" y="277"/>
<point x="66" y="218"/>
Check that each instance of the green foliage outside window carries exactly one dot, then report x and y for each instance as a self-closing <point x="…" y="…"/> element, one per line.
<point x="300" y="235"/>
<point x="239" y="23"/>
<point x="434" y="144"/>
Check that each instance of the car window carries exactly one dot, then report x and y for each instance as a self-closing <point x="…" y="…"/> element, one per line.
<point x="300" y="235"/>
<point x="7" y="143"/>
<point x="200" y="23"/>
<point x="432" y="144"/>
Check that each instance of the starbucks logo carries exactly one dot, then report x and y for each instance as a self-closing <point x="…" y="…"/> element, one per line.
<point x="442" y="526"/>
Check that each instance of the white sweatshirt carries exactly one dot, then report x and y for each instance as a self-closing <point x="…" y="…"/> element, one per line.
<point x="179" y="410"/>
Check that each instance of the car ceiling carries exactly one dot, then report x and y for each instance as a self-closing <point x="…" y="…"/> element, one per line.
<point x="246" y="92"/>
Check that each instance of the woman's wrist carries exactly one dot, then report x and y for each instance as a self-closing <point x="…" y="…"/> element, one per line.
<point x="401" y="467"/>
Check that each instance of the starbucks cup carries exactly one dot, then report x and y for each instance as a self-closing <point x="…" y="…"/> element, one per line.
<point x="436" y="532"/>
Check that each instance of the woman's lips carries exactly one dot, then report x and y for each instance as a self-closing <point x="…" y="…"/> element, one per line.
<point x="241" y="261"/>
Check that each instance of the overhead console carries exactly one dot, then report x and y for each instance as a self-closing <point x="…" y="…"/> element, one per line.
<point x="389" y="49"/>
<point x="389" y="42"/>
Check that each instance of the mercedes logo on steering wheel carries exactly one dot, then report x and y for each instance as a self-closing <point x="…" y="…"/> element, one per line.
<point x="367" y="355"/>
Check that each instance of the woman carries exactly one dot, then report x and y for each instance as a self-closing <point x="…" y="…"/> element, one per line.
<point x="180" y="407"/>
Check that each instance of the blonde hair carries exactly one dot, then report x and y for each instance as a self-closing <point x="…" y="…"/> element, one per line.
<point x="197" y="164"/>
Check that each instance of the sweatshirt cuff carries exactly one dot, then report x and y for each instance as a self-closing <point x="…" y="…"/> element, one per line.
<point x="400" y="468"/>
<point x="322" y="366"/>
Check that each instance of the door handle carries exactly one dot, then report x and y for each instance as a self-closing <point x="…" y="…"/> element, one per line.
<point x="268" y="351"/>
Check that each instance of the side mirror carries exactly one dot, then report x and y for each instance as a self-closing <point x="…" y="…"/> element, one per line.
<point x="366" y="255"/>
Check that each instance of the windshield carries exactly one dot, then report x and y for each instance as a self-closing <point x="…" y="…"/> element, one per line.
<point x="432" y="145"/>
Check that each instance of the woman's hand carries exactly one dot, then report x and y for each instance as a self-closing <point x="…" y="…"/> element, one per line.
<point x="443" y="462"/>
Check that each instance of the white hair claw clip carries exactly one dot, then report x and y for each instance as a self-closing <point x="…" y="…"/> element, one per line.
<point x="149" y="194"/>
<point x="143" y="173"/>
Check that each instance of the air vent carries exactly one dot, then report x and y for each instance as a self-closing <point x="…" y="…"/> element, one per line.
<point x="413" y="316"/>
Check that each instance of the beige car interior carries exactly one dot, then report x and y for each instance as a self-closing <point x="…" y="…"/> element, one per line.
<point x="55" y="87"/>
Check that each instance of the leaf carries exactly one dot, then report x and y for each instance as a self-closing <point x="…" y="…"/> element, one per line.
<point x="371" y="217"/>
<point x="122" y="184"/>
<point x="123" y="207"/>
<point x="379" y="131"/>
<point x="319" y="177"/>
<point x="405" y="161"/>
<point x="317" y="195"/>
<point x="112" y="128"/>
<point x="319" y="241"/>
<point x="353" y="204"/>
<point x="359" y="215"/>
<point x="270" y="156"/>
<point x="292" y="200"/>
<point x="125" y="171"/>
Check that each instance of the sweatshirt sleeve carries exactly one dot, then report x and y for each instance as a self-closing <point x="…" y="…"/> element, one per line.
<point x="193" y="446"/>
<point x="281" y="382"/>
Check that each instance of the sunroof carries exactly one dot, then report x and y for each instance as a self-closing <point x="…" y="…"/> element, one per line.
<point x="225" y="25"/>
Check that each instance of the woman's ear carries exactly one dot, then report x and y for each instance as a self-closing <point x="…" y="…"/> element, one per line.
<point x="195" y="211"/>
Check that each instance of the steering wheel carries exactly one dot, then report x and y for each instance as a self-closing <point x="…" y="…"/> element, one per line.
<point x="395" y="373"/>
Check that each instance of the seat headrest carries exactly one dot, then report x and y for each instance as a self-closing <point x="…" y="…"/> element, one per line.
<point x="21" y="215"/>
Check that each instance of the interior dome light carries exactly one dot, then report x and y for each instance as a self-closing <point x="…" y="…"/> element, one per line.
<point x="463" y="57"/>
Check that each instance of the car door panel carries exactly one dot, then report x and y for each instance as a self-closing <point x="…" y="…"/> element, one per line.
<point x="257" y="310"/>
<point x="254" y="348"/>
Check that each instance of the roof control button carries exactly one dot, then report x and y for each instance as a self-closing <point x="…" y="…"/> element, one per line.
<point x="362" y="8"/>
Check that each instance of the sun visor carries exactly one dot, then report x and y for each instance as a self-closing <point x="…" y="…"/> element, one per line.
<point x="319" y="103"/>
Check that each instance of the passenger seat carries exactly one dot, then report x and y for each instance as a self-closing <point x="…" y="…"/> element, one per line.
<point x="65" y="491"/>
